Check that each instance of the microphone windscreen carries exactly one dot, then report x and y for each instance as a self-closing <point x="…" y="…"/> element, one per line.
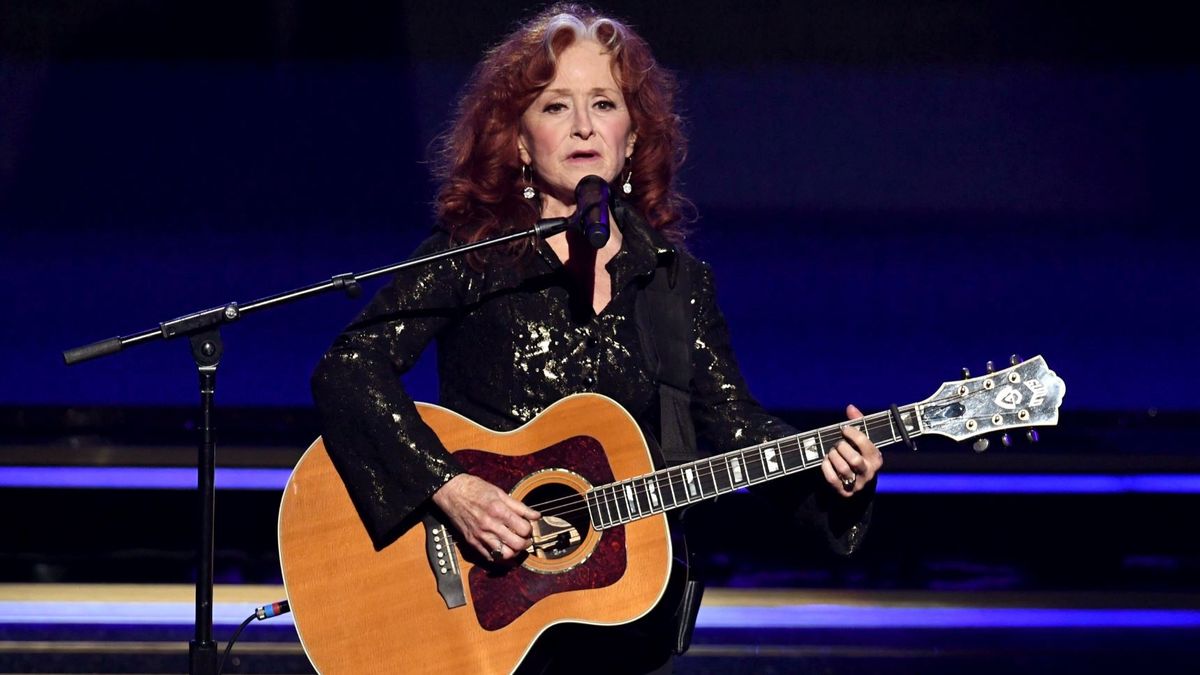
<point x="591" y="208"/>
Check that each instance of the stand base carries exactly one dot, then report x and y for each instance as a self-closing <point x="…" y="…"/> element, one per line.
<point x="202" y="658"/>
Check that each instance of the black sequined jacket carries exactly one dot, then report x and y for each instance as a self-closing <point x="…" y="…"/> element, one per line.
<point x="510" y="341"/>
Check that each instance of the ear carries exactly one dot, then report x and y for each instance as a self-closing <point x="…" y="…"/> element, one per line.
<point x="522" y="152"/>
<point x="629" y="143"/>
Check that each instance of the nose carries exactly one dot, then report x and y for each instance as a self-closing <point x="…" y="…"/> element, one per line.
<point x="582" y="123"/>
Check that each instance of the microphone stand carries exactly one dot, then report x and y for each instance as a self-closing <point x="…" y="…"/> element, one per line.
<point x="203" y="332"/>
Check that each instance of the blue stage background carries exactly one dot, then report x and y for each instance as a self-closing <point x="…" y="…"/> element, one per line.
<point x="883" y="201"/>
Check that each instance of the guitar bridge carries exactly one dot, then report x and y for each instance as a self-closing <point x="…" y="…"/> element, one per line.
<point x="439" y="549"/>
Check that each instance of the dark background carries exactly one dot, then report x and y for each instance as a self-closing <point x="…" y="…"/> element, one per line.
<point x="886" y="192"/>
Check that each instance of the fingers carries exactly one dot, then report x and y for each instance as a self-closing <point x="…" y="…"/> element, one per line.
<point x="521" y="509"/>
<point x="491" y="521"/>
<point x="844" y="487"/>
<point x="854" y="460"/>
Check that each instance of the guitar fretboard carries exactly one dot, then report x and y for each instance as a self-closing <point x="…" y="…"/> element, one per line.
<point x="676" y="487"/>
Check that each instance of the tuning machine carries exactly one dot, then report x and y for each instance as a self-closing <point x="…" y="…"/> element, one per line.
<point x="991" y="367"/>
<point x="1006" y="440"/>
<point x="1032" y="435"/>
<point x="981" y="444"/>
<point x="1014" y="359"/>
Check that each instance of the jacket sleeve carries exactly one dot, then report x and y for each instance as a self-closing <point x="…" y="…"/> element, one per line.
<point x="389" y="459"/>
<point x="727" y="418"/>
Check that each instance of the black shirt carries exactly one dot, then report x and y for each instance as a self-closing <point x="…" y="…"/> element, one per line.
<point x="511" y="340"/>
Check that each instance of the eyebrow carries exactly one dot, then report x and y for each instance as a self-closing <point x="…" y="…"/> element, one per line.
<point x="567" y="92"/>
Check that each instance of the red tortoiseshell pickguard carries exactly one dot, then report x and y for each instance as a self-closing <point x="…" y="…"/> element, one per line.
<point x="501" y="594"/>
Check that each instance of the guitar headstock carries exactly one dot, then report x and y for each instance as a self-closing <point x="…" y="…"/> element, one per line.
<point x="1027" y="394"/>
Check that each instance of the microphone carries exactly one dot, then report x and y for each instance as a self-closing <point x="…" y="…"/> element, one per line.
<point x="590" y="217"/>
<point x="591" y="210"/>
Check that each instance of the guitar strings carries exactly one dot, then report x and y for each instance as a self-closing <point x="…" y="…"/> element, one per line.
<point x="873" y="422"/>
<point x="706" y="468"/>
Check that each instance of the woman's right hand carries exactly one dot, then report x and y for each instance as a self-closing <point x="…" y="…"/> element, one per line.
<point x="498" y="526"/>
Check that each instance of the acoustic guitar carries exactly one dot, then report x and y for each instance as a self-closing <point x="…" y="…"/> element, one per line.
<point x="601" y="553"/>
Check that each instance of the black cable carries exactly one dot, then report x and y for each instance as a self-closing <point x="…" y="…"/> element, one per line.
<point x="260" y="613"/>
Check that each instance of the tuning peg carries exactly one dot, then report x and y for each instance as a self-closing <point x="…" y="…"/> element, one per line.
<point x="1032" y="435"/>
<point x="980" y="445"/>
<point x="1006" y="440"/>
<point x="966" y="373"/>
<point x="991" y="367"/>
<point x="1015" y="359"/>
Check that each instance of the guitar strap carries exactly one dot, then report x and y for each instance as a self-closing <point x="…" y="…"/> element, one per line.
<point x="665" y="325"/>
<point x="664" y="318"/>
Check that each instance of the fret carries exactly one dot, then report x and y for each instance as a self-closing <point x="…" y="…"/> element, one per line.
<point x="704" y="476"/>
<point x="631" y="501"/>
<point x="720" y="474"/>
<point x="642" y="492"/>
<point x="594" y="511"/>
<point x="826" y="439"/>
<point x="771" y="461"/>
<point x="892" y="428"/>
<point x="788" y="457"/>
<point x="736" y="475"/>
<point x="678" y="489"/>
<point x="620" y="505"/>
<point x="755" y="471"/>
<point x="665" y="490"/>
<point x="613" y="515"/>
<point x="691" y="488"/>
<point x="862" y="425"/>
<point x="811" y="450"/>
<point x="882" y="435"/>
<point x="652" y="494"/>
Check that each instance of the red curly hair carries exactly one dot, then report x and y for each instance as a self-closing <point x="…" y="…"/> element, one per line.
<point x="477" y="162"/>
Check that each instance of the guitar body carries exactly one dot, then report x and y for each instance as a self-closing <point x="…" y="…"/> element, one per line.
<point x="422" y="605"/>
<point x="361" y="610"/>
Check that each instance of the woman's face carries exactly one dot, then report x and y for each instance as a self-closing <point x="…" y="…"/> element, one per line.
<point x="577" y="126"/>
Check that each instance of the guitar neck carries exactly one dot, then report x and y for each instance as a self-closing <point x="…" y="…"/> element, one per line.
<point x="676" y="487"/>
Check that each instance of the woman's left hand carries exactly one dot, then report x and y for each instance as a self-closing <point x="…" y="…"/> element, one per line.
<point x="853" y="461"/>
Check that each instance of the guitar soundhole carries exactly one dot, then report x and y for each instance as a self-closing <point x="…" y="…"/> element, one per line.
<point x="565" y="520"/>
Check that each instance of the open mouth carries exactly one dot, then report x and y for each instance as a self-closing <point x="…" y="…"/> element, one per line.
<point x="583" y="155"/>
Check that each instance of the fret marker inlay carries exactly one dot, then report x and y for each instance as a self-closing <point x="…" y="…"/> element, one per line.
<point x="810" y="450"/>
<point x="769" y="457"/>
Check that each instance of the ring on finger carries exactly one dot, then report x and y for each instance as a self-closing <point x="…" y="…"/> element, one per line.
<point x="848" y="483"/>
<point x="498" y="552"/>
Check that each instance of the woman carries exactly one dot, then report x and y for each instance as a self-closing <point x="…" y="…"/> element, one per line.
<point x="568" y="94"/>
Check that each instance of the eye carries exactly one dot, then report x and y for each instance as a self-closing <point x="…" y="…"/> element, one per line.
<point x="554" y="107"/>
<point x="605" y="104"/>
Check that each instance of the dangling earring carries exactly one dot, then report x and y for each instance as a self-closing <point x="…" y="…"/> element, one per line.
<point x="627" y="186"/>
<point x="527" y="178"/>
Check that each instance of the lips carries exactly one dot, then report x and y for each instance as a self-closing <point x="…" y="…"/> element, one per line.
<point x="583" y="155"/>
